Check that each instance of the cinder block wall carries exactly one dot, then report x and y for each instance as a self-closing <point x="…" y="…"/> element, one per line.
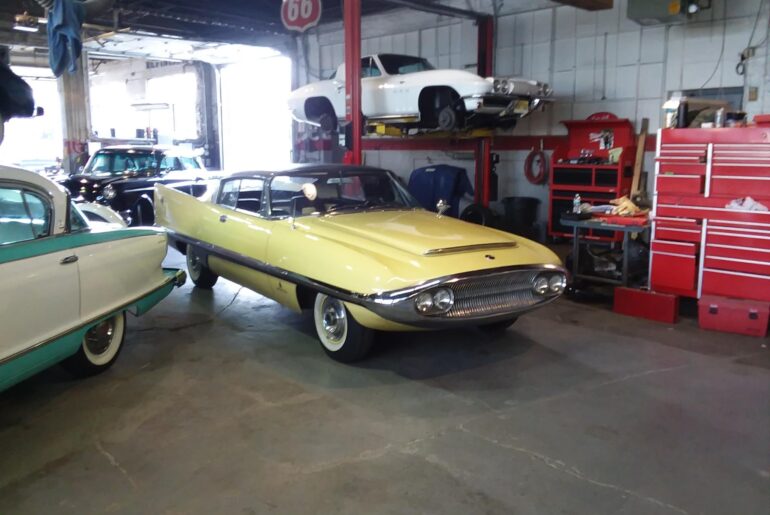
<point x="595" y="61"/>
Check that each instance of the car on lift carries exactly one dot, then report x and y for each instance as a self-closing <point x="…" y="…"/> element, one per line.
<point x="66" y="284"/>
<point x="122" y="177"/>
<point x="407" y="91"/>
<point x="351" y="243"/>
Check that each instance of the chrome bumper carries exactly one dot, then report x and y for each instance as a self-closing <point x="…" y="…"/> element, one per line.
<point x="479" y="297"/>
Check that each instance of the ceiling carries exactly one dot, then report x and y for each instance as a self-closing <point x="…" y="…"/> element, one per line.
<point x="233" y="21"/>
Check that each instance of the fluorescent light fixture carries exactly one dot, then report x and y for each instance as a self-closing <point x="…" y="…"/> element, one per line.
<point x="26" y="23"/>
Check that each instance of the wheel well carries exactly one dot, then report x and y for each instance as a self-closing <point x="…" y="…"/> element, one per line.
<point x="316" y="106"/>
<point x="434" y="98"/>
<point x="305" y="297"/>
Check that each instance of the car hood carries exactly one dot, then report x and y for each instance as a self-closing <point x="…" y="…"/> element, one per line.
<point x="416" y="232"/>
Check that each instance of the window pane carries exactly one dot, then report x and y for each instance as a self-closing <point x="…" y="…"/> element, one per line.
<point x="23" y="216"/>
<point x="77" y="220"/>
<point x="228" y="197"/>
<point x="250" y="195"/>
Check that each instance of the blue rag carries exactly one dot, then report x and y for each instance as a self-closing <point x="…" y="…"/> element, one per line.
<point x="64" y="45"/>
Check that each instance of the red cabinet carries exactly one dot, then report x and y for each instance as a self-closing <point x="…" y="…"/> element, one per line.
<point x="582" y="167"/>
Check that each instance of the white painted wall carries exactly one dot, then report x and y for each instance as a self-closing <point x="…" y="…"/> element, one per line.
<point x="595" y="61"/>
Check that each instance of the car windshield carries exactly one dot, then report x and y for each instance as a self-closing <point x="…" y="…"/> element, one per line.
<point x="400" y="64"/>
<point x="337" y="192"/>
<point x="107" y="163"/>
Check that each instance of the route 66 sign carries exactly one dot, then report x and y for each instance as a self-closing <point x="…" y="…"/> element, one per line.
<point x="300" y="15"/>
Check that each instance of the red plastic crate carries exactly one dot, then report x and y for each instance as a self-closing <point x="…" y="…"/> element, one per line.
<point x="733" y="315"/>
<point x="659" y="307"/>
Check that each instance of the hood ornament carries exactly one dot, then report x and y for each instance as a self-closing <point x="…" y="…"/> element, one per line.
<point x="442" y="207"/>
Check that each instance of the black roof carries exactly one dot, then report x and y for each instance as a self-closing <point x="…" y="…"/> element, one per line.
<point x="299" y="169"/>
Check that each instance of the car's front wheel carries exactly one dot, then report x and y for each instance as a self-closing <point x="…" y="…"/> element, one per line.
<point x="100" y="347"/>
<point x="342" y="337"/>
<point x="201" y="275"/>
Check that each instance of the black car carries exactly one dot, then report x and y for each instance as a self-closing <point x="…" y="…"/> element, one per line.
<point x="123" y="178"/>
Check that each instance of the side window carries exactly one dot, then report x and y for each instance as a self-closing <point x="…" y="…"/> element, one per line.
<point x="77" y="220"/>
<point x="282" y="190"/>
<point x="369" y="68"/>
<point x="23" y="216"/>
<point x="250" y="195"/>
<point x="228" y="195"/>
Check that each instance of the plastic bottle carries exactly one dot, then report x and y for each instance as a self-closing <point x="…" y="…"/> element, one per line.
<point x="576" y="203"/>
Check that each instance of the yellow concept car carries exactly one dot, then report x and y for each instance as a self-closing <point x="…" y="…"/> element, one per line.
<point x="352" y="244"/>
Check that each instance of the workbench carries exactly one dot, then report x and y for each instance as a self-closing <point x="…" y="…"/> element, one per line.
<point x="593" y="224"/>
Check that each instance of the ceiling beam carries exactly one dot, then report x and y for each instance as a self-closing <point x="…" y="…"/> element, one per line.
<point x="437" y="8"/>
<point x="588" y="5"/>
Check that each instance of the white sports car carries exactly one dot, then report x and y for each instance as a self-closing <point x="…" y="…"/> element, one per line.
<point x="407" y="91"/>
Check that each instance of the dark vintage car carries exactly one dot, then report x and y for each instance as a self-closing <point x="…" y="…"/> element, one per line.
<point x="123" y="178"/>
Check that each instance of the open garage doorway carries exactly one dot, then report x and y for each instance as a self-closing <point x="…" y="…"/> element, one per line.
<point x="36" y="143"/>
<point x="256" y="124"/>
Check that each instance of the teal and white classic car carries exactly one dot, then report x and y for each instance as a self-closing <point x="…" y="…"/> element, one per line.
<point x="65" y="285"/>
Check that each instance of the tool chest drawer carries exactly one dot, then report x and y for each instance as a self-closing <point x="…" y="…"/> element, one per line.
<point x="676" y="272"/>
<point x="737" y="186"/>
<point x="736" y="284"/>
<point x="738" y="237"/>
<point x="680" y="183"/>
<point x="732" y="264"/>
<point x="674" y="247"/>
<point x="677" y="229"/>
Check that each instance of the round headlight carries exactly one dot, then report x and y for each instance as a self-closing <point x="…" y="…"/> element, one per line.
<point x="557" y="283"/>
<point x="496" y="85"/>
<point x="109" y="192"/>
<point x="541" y="285"/>
<point x="443" y="299"/>
<point x="504" y="86"/>
<point x="424" y="302"/>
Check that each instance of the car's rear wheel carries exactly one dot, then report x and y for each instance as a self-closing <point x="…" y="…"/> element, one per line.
<point x="100" y="347"/>
<point x="448" y="119"/>
<point x="342" y="337"/>
<point x="498" y="327"/>
<point x="201" y="275"/>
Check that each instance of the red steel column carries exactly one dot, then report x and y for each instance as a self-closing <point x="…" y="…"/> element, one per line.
<point x="484" y="63"/>
<point x="352" y="24"/>
<point x="483" y="171"/>
<point x="486" y="46"/>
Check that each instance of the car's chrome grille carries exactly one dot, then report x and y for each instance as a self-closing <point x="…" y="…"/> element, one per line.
<point x="494" y="294"/>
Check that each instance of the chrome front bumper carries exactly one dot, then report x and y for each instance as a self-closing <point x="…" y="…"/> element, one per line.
<point x="479" y="297"/>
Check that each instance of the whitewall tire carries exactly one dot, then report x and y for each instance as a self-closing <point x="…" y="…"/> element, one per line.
<point x="100" y="347"/>
<point x="341" y="336"/>
<point x="201" y="275"/>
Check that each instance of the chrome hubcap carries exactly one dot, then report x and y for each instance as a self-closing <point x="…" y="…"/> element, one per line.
<point x="99" y="338"/>
<point x="194" y="264"/>
<point x="334" y="320"/>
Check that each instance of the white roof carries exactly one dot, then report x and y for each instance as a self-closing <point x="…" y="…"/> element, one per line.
<point x="55" y="192"/>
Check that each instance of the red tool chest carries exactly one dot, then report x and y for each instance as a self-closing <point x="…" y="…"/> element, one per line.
<point x="701" y="247"/>
<point x="733" y="315"/>
<point x="595" y="182"/>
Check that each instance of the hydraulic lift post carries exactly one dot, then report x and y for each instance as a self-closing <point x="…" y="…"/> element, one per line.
<point x="352" y="30"/>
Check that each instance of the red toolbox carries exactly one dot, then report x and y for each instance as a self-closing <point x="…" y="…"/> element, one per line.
<point x="660" y="307"/>
<point x="733" y="315"/>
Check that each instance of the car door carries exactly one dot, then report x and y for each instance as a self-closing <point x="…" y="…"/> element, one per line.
<point x="375" y="95"/>
<point x="240" y="232"/>
<point x="39" y="275"/>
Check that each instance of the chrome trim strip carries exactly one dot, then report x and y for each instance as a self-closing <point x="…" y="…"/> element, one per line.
<point x="470" y="248"/>
<point x="709" y="169"/>
<point x="174" y="279"/>
<point x="702" y="256"/>
<point x="739" y="274"/>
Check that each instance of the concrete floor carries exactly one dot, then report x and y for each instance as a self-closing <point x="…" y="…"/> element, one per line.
<point x="223" y="402"/>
